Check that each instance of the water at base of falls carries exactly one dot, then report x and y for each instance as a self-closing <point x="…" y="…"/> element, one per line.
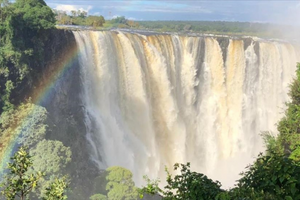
<point x="153" y="101"/>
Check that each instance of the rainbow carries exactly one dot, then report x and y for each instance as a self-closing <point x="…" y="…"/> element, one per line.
<point x="40" y="94"/>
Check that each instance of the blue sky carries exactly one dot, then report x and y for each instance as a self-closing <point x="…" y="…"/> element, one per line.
<point x="283" y="12"/>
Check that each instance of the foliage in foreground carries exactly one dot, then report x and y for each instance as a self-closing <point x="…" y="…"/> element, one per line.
<point x="57" y="189"/>
<point x="190" y="185"/>
<point x="271" y="176"/>
<point x="20" y="182"/>
<point x="26" y="124"/>
<point x="115" y="184"/>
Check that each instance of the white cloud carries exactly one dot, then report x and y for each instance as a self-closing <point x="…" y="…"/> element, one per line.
<point x="169" y="8"/>
<point x="115" y="16"/>
<point x="162" y="10"/>
<point x="298" y="5"/>
<point x="69" y="8"/>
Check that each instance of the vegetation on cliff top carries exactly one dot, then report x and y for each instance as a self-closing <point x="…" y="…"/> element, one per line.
<point x="24" y="29"/>
<point x="268" y="30"/>
<point x="78" y="17"/>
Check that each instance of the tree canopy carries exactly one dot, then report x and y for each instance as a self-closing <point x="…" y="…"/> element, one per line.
<point x="118" y="185"/>
<point x="79" y="17"/>
<point x="18" y="183"/>
<point x="35" y="14"/>
<point x="27" y="125"/>
<point x="23" y="32"/>
<point x="23" y="180"/>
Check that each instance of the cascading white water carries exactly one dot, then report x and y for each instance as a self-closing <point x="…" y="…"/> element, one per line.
<point x="152" y="101"/>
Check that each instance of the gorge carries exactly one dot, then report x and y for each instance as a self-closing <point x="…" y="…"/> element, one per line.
<point x="150" y="100"/>
<point x="89" y="105"/>
<point x="146" y="100"/>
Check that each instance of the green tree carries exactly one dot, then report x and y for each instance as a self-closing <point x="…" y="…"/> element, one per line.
<point x="81" y="13"/>
<point x="272" y="176"/>
<point x="9" y="86"/>
<point x="95" y="21"/>
<point x="25" y="124"/>
<point x="118" y="184"/>
<point x="19" y="183"/>
<point x="60" y="16"/>
<point x="36" y="14"/>
<point x="57" y="189"/>
<point x="288" y="140"/>
<point x="74" y="13"/>
<point x="51" y="157"/>
<point x="98" y="197"/>
<point x="186" y="186"/>
<point x="152" y="187"/>
<point x="3" y="10"/>
<point x="23" y="32"/>
<point x="190" y="185"/>
<point x="119" y="20"/>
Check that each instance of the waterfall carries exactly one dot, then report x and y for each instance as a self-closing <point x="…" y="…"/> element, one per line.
<point x="155" y="100"/>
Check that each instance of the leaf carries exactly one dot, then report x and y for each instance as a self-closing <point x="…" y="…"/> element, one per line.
<point x="281" y="179"/>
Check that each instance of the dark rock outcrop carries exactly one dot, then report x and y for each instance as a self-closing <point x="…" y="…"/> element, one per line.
<point x="66" y="115"/>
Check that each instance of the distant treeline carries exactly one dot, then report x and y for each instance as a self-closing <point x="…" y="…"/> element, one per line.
<point x="81" y="18"/>
<point x="215" y="27"/>
<point x="78" y="17"/>
<point x="219" y="27"/>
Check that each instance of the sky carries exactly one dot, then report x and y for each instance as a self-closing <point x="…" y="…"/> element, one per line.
<point x="282" y="12"/>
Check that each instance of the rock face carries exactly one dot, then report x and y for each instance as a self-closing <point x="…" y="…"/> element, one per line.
<point x="63" y="102"/>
